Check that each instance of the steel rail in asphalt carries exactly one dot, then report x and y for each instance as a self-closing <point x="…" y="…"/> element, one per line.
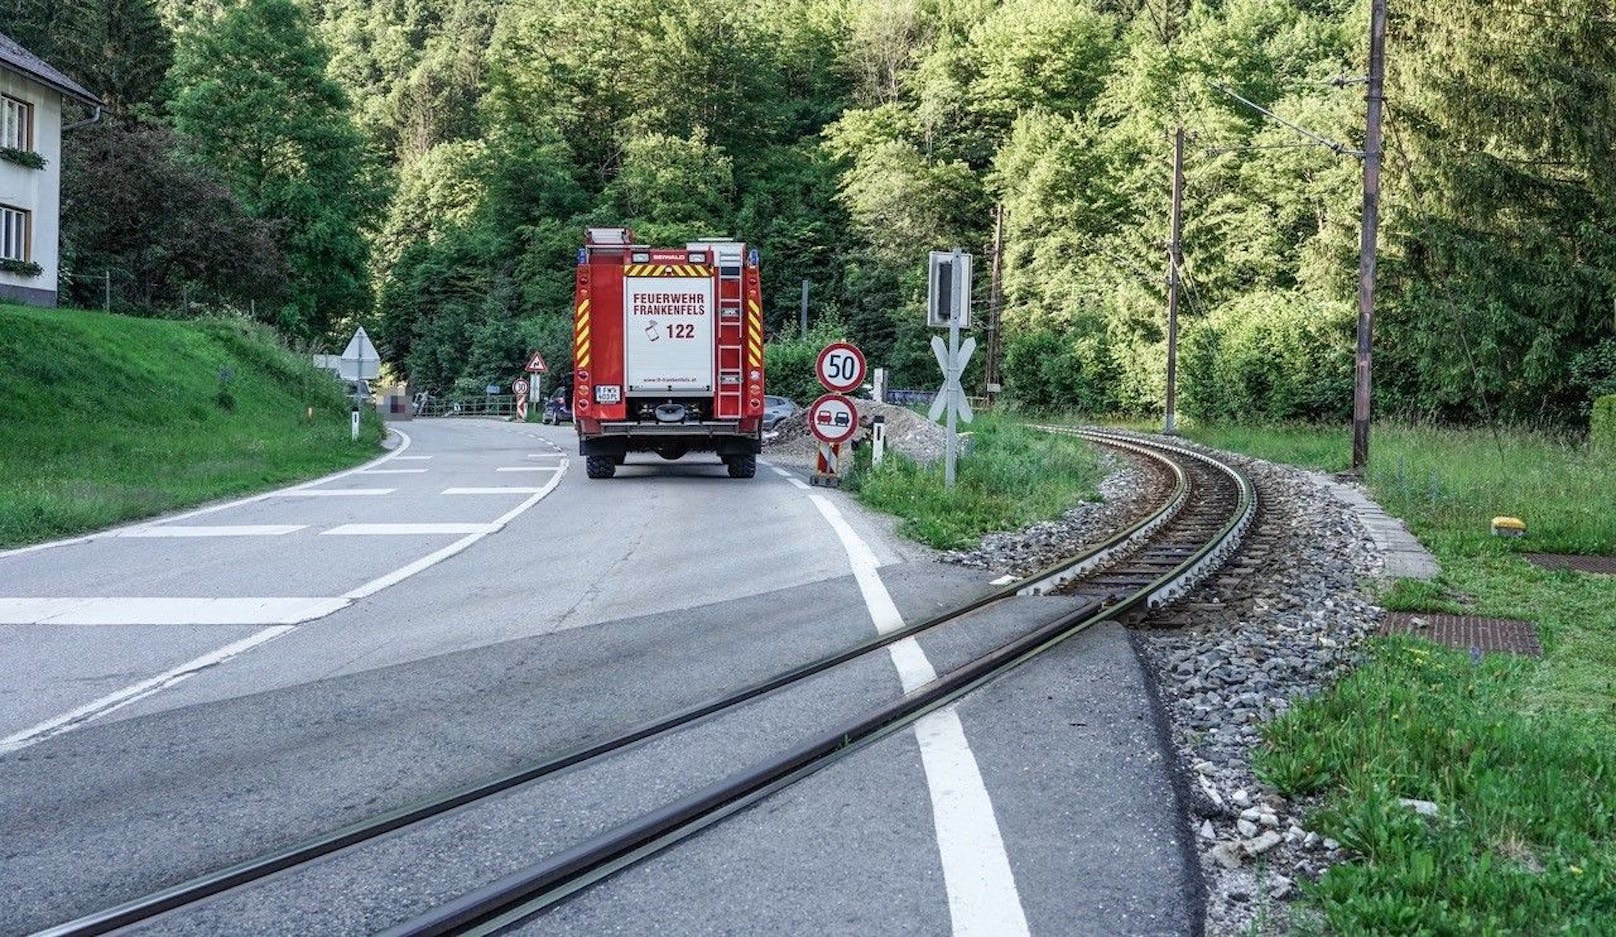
<point x="522" y="894"/>
<point x="219" y="881"/>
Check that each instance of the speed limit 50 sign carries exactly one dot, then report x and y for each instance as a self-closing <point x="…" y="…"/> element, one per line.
<point x="840" y="367"/>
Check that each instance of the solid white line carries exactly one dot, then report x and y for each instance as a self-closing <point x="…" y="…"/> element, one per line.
<point x="438" y="556"/>
<point x="399" y="530"/>
<point x="198" y="512"/>
<point x="221" y="530"/>
<point x="982" y="894"/>
<point x="780" y="472"/>
<point x="163" y="610"/>
<point x="489" y="491"/>
<point x="395" y="471"/>
<point x="133" y="692"/>
<point x="339" y="492"/>
<point x="525" y="468"/>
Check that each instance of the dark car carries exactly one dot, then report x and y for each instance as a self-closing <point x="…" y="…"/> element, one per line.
<point x="557" y="408"/>
<point x="776" y="409"/>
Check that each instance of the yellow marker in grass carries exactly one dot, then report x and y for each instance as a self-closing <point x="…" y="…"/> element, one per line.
<point x="1509" y="527"/>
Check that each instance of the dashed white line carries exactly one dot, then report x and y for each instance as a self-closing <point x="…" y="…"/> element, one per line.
<point x="982" y="894"/>
<point x="489" y="491"/>
<point x="526" y="468"/>
<point x="338" y="493"/>
<point x="799" y="483"/>
<point x="399" y="530"/>
<point x="138" y="691"/>
<point x="394" y="472"/>
<point x="438" y="556"/>
<point x="218" y="530"/>
<point x="413" y="458"/>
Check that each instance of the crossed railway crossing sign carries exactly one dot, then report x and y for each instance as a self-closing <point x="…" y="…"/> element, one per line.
<point x="948" y="305"/>
<point x="952" y="393"/>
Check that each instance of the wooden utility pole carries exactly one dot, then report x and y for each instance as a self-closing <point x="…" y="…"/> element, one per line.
<point x="1366" y="245"/>
<point x="1175" y="260"/>
<point x="995" y="303"/>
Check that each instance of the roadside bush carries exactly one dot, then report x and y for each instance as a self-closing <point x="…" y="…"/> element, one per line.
<point x="1281" y="357"/>
<point x="1602" y="426"/>
<point x="1048" y="370"/>
<point x="788" y="360"/>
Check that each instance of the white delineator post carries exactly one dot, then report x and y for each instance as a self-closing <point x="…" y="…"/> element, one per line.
<point x="878" y="440"/>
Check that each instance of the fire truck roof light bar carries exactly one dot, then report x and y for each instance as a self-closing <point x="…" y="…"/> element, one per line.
<point x="609" y="237"/>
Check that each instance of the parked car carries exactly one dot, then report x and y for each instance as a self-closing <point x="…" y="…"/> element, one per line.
<point x="776" y="409"/>
<point x="557" y="408"/>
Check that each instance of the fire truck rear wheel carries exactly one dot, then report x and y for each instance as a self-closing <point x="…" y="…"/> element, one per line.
<point x="741" y="466"/>
<point x="600" y="466"/>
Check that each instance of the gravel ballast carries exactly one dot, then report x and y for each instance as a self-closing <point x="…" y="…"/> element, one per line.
<point x="1284" y="619"/>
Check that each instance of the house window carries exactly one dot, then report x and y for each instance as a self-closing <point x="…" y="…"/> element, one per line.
<point x="16" y="124"/>
<point x="15" y="229"/>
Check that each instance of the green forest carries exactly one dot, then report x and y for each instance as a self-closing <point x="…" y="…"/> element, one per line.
<point x="426" y="167"/>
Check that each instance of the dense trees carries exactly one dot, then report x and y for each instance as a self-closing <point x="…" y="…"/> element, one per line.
<point x="428" y="164"/>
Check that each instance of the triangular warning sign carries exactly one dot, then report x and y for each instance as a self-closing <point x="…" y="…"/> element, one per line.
<point x="535" y="364"/>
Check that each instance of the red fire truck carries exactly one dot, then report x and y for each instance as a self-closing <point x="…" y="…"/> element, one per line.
<point x="667" y="351"/>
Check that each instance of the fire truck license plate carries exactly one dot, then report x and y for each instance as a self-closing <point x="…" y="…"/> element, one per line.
<point x="608" y="393"/>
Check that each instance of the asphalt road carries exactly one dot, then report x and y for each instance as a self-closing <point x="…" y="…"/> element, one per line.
<point x="394" y="660"/>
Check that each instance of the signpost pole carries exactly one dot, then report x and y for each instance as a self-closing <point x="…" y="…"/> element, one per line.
<point x="951" y="452"/>
<point x="952" y="445"/>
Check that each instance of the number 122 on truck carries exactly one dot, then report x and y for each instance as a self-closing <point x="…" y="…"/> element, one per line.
<point x="667" y="351"/>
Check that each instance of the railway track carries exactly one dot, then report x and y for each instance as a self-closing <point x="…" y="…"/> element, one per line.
<point x="1156" y="559"/>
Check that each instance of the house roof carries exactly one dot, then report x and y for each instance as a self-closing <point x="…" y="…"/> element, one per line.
<point x="18" y="59"/>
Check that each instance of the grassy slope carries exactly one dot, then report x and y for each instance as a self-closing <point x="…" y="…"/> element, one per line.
<point x="1520" y="753"/>
<point x="109" y="418"/>
<point x="1014" y="476"/>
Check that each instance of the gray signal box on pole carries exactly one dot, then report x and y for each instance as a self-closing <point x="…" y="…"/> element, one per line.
<point x="948" y="292"/>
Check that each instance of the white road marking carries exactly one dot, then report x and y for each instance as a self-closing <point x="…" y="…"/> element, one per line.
<point x="982" y="894"/>
<point x="544" y="455"/>
<point x="398" y="530"/>
<point x="219" y="530"/>
<point x="132" y="693"/>
<point x="102" y="610"/>
<point x="413" y="458"/>
<point x="525" y="468"/>
<point x="780" y="472"/>
<point x="186" y="610"/>
<point x="394" y="471"/>
<point x="799" y="483"/>
<point x="198" y="512"/>
<point x="1004" y="580"/>
<point x="438" y="556"/>
<point x="490" y="491"/>
<point x="338" y="493"/>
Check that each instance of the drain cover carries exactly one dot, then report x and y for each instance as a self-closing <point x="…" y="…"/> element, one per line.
<point x="1605" y="565"/>
<point x="1466" y="631"/>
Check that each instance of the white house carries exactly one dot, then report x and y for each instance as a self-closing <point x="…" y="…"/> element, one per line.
<point x="32" y="96"/>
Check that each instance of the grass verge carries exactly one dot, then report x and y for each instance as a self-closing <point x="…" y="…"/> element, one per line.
<point x="108" y="418"/>
<point x="1518" y="753"/>
<point x="1014" y="476"/>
